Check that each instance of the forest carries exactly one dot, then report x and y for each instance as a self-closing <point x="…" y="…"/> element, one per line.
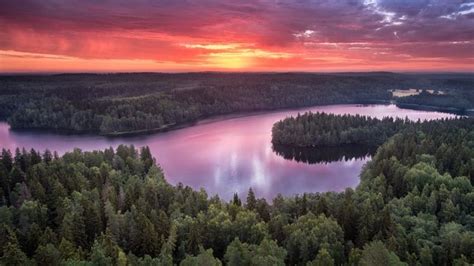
<point x="322" y="129"/>
<point x="115" y="104"/>
<point x="414" y="206"/>
<point x="442" y="102"/>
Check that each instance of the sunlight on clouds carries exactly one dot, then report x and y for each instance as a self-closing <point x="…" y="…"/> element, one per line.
<point x="16" y="54"/>
<point x="12" y="61"/>
<point x="389" y="18"/>
<point x="304" y="34"/>
<point x="264" y="35"/>
<point x="211" y="46"/>
<point x="235" y="56"/>
<point x="243" y="57"/>
<point x="228" y="60"/>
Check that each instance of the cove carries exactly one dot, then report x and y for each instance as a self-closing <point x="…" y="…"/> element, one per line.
<point x="231" y="155"/>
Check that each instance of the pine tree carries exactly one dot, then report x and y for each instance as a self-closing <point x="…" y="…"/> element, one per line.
<point x="12" y="253"/>
<point x="98" y="255"/>
<point x="251" y="200"/>
<point x="236" y="201"/>
<point x="48" y="255"/>
<point x="7" y="159"/>
<point x="322" y="259"/>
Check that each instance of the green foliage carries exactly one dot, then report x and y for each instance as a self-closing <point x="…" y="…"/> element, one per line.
<point x="238" y="253"/>
<point x="414" y="205"/>
<point x="321" y="129"/>
<point x="251" y="200"/>
<point x="322" y="259"/>
<point x="11" y="252"/>
<point x="309" y="234"/>
<point x="447" y="102"/>
<point x="48" y="255"/>
<point x="133" y="103"/>
<point x="99" y="256"/>
<point x="375" y="253"/>
<point x="267" y="253"/>
<point x="329" y="130"/>
<point x="116" y="104"/>
<point x="205" y="258"/>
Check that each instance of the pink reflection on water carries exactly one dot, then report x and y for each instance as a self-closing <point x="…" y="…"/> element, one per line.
<point x="230" y="155"/>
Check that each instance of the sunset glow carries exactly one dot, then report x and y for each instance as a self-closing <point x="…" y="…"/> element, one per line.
<point x="261" y="35"/>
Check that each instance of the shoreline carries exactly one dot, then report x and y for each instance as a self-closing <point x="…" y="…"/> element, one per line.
<point x="433" y="108"/>
<point x="222" y="117"/>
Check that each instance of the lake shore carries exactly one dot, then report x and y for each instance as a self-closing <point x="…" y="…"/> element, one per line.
<point x="234" y="151"/>
<point x="421" y="107"/>
<point x="221" y="117"/>
<point x="216" y="118"/>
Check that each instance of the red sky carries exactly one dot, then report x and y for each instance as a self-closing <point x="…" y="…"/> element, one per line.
<point x="259" y="35"/>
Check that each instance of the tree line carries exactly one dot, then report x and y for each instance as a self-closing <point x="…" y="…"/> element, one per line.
<point x="127" y="103"/>
<point x="414" y="205"/>
<point x="325" y="130"/>
<point x="459" y="103"/>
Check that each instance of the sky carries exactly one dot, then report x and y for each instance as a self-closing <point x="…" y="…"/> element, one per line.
<point x="236" y="35"/>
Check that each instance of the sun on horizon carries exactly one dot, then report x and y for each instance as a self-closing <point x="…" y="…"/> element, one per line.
<point x="261" y="35"/>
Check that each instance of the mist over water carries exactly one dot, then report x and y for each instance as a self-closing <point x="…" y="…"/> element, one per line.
<point x="228" y="156"/>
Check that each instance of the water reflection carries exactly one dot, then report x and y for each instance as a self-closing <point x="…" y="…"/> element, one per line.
<point x="325" y="155"/>
<point x="232" y="155"/>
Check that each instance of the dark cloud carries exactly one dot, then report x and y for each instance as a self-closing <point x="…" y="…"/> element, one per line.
<point x="150" y="29"/>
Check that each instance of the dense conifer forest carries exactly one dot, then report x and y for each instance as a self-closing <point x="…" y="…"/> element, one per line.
<point x="321" y="129"/>
<point x="248" y="148"/>
<point x="414" y="206"/>
<point x="329" y="130"/>
<point x="443" y="102"/>
<point x="115" y="104"/>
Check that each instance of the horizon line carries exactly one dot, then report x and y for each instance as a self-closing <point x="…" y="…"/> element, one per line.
<point x="54" y="73"/>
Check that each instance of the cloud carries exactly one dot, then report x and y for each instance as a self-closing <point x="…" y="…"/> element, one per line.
<point x="463" y="10"/>
<point x="225" y="46"/>
<point x="304" y="34"/>
<point x="259" y="32"/>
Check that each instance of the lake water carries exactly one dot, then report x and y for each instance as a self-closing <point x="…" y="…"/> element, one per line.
<point x="228" y="156"/>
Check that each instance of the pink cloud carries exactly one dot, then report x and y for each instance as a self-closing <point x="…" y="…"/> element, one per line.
<point x="341" y="33"/>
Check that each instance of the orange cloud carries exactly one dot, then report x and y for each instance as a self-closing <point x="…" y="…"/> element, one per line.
<point x="247" y="35"/>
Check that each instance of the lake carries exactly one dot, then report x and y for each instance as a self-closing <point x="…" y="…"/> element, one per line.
<point x="231" y="155"/>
